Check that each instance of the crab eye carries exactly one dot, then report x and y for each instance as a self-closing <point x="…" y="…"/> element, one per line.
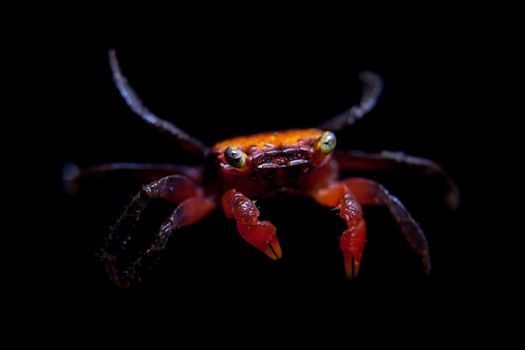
<point x="327" y="142"/>
<point x="235" y="157"/>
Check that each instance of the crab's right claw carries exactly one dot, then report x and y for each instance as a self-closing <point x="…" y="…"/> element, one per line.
<point x="262" y="236"/>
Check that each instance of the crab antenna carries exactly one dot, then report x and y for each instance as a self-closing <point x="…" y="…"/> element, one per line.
<point x="373" y="86"/>
<point x="187" y="142"/>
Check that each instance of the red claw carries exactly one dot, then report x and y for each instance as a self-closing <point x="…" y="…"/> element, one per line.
<point x="262" y="236"/>
<point x="352" y="243"/>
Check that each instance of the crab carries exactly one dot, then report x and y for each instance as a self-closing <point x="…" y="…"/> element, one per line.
<point x="237" y="171"/>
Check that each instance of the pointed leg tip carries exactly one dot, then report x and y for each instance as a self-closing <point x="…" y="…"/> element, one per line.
<point x="427" y="265"/>
<point x="427" y="269"/>
<point x="453" y="200"/>
<point x="70" y="173"/>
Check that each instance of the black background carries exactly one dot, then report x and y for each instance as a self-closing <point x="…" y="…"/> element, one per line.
<point x="224" y="81"/>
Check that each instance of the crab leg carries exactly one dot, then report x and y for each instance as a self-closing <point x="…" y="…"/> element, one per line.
<point x="74" y="177"/>
<point x="373" y="86"/>
<point x="189" y="143"/>
<point x="367" y="192"/>
<point x="386" y="160"/>
<point x="193" y="205"/>
<point x="260" y="234"/>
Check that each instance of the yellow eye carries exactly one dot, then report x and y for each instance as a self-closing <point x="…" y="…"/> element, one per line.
<point x="327" y="142"/>
<point x="235" y="157"/>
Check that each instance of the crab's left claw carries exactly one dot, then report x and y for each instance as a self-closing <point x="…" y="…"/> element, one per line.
<point x="352" y="243"/>
<point x="260" y="234"/>
<point x="349" y="195"/>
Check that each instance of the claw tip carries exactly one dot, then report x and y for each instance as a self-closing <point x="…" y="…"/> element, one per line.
<point x="274" y="251"/>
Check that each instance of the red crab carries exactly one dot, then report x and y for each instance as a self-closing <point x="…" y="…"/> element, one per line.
<point x="237" y="171"/>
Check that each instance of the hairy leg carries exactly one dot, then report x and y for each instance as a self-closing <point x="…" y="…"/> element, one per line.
<point x="193" y="205"/>
<point x="74" y="177"/>
<point x="386" y="160"/>
<point x="373" y="86"/>
<point x="260" y="234"/>
<point x="189" y="143"/>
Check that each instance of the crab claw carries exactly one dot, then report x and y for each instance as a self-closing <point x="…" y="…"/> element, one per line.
<point x="262" y="236"/>
<point x="352" y="243"/>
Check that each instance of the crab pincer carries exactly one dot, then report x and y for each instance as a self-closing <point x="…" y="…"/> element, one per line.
<point x="352" y="241"/>
<point x="260" y="234"/>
